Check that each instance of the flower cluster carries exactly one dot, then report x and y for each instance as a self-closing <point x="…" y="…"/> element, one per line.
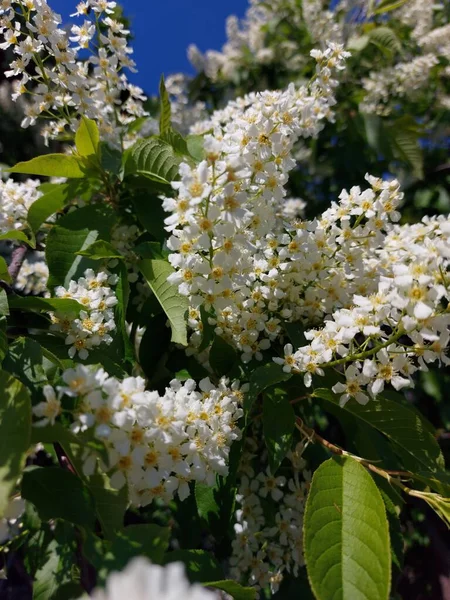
<point x="184" y="114"/>
<point x="269" y="542"/>
<point x="417" y="14"/>
<point x="93" y="326"/>
<point x="437" y="41"/>
<point x="15" y="200"/>
<point x="400" y="323"/>
<point x="323" y="23"/>
<point x="251" y="270"/>
<point x="68" y="85"/>
<point x="251" y="41"/>
<point x="33" y="276"/>
<point x="277" y="35"/>
<point x="293" y="208"/>
<point x="141" y="580"/>
<point x="403" y="79"/>
<point x="224" y="251"/>
<point x="157" y="444"/>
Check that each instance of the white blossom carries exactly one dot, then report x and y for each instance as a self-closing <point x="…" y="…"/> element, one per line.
<point x="141" y="580"/>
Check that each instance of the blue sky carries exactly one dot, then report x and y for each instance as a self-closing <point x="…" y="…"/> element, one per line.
<point x="163" y="29"/>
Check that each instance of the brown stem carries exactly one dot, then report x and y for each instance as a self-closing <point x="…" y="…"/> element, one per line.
<point x="18" y="256"/>
<point x="299" y="399"/>
<point x="390" y="476"/>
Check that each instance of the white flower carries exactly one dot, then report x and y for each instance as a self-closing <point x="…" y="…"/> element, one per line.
<point x="271" y="485"/>
<point x="354" y="379"/>
<point x="141" y="580"/>
<point x="49" y="409"/>
<point x="288" y="361"/>
<point x="390" y="363"/>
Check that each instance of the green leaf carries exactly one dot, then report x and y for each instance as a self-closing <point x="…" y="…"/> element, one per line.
<point x="164" y="109"/>
<point x="296" y="333"/>
<point x="440" y="505"/>
<point x="64" y="305"/>
<point x="4" y="306"/>
<point x="374" y="131"/>
<point x="140" y="540"/>
<point x="155" y="159"/>
<point x="110" y="504"/>
<point x="150" y="213"/>
<point x="262" y="378"/>
<point x="200" y="565"/>
<point x="100" y="250"/>
<point x="386" y="39"/>
<point x="111" y="160"/>
<point x="47" y="205"/>
<point x="195" y="147"/>
<point x="206" y="501"/>
<point x="166" y="131"/>
<point x="15" y="234"/>
<point x="395" y="532"/>
<point x="177" y="141"/>
<point x="99" y="217"/>
<point x="404" y="135"/>
<point x="46" y="584"/>
<point x="234" y="589"/>
<point x="15" y="433"/>
<point x="59" y="494"/>
<point x="3" y="341"/>
<point x="222" y="356"/>
<point x="87" y="137"/>
<point x="25" y="361"/>
<point x="55" y="578"/>
<point x="278" y="426"/>
<point x="438" y="481"/>
<point x="346" y="534"/>
<point x="4" y="273"/>
<point x="174" y="304"/>
<point x="51" y="165"/>
<point x="60" y="252"/>
<point x="151" y="250"/>
<point x="410" y="435"/>
<point x="387" y="5"/>
<point x="207" y="329"/>
<point x="75" y="232"/>
<point x="122" y="292"/>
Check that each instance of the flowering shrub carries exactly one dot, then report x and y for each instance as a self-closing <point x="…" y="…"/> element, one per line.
<point x="193" y="372"/>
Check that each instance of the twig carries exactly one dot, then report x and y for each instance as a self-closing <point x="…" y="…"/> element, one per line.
<point x="299" y="399"/>
<point x="313" y="436"/>
<point x="18" y="256"/>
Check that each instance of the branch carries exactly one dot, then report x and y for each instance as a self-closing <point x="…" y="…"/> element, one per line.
<point x="440" y="504"/>
<point x="18" y="256"/>
<point x="313" y="436"/>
